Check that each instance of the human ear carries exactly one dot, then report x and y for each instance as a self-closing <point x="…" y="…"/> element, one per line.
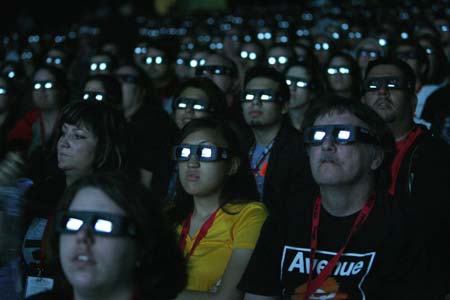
<point x="377" y="158"/>
<point x="234" y="165"/>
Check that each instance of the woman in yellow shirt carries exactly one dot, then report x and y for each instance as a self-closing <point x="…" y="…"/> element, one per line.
<point x="218" y="225"/>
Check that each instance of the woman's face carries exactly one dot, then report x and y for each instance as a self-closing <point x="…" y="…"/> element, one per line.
<point x="296" y="77"/>
<point x="200" y="178"/>
<point x="339" y="74"/>
<point x="96" y="263"/>
<point x="76" y="149"/>
<point x="184" y="115"/>
<point x="45" y="91"/>
<point x="94" y="90"/>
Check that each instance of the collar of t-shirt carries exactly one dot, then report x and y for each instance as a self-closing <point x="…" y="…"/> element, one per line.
<point x="402" y="147"/>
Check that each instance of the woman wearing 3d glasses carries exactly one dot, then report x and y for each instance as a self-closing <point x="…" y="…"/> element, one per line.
<point x="343" y="76"/>
<point x="218" y="226"/>
<point x="197" y="98"/>
<point x="107" y="245"/>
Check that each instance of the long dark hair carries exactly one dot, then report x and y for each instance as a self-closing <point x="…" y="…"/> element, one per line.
<point x="238" y="188"/>
<point x="160" y="271"/>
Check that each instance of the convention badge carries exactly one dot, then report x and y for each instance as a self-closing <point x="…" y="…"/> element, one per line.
<point x="32" y="242"/>
<point x="36" y="285"/>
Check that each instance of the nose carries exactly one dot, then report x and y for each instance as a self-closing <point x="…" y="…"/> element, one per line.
<point x="193" y="161"/>
<point x="328" y="144"/>
<point x="85" y="235"/>
<point x="63" y="141"/>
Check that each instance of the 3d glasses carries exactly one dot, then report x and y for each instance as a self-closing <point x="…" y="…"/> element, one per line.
<point x="368" y="53"/>
<point x="184" y="152"/>
<point x="263" y="95"/>
<point x="53" y="60"/>
<point x="94" y="96"/>
<point x="100" y="66"/>
<point x="195" y="104"/>
<point x="157" y="60"/>
<point x="390" y="83"/>
<point x="3" y="91"/>
<point x="47" y="85"/>
<point x="282" y="60"/>
<point x="343" y="70"/>
<point x="98" y="223"/>
<point x="298" y="82"/>
<point x="214" y="70"/>
<point x="248" y="55"/>
<point x="341" y="134"/>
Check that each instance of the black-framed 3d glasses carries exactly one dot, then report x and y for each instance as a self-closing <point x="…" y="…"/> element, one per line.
<point x="46" y="85"/>
<point x="263" y="95"/>
<point x="154" y="60"/>
<point x="54" y="60"/>
<point x="368" y="53"/>
<point x="100" y="223"/>
<point x="341" y="134"/>
<point x="343" y="70"/>
<point x="94" y="96"/>
<point x="214" y="70"/>
<point x="389" y="82"/>
<point x="184" y="152"/>
<point x="195" y="104"/>
<point x="3" y="91"/>
<point x="298" y="82"/>
<point x="99" y="66"/>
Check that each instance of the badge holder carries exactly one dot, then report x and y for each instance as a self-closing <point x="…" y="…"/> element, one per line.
<point x="38" y="284"/>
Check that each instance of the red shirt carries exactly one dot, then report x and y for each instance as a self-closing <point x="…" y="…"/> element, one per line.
<point x="402" y="147"/>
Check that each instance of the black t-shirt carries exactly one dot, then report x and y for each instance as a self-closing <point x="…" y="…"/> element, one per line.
<point x="376" y="264"/>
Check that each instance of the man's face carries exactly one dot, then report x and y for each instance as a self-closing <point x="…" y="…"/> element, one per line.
<point x="279" y="58"/>
<point x="218" y="70"/>
<point x="393" y="105"/>
<point x="334" y="164"/>
<point x="156" y="63"/>
<point x="259" y="113"/>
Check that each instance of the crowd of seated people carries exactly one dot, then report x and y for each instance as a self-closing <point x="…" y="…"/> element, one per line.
<point x="265" y="152"/>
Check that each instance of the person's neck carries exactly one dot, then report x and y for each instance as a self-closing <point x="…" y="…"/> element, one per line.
<point x="297" y="115"/>
<point x="49" y="114"/>
<point x="342" y="201"/>
<point x="72" y="176"/>
<point x="3" y="117"/>
<point x="401" y="130"/>
<point x="130" y="112"/>
<point x="264" y="135"/>
<point x="115" y="293"/>
<point x="205" y="206"/>
<point x="345" y="94"/>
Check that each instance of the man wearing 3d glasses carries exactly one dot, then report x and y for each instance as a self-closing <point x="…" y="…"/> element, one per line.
<point x="277" y="155"/>
<point x="348" y="241"/>
<point x="420" y="170"/>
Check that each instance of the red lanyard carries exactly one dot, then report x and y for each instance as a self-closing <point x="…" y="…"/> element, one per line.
<point x="315" y="284"/>
<point x="201" y="234"/>
<point x="261" y="158"/>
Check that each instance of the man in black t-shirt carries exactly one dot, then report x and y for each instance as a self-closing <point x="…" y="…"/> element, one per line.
<point x="351" y="236"/>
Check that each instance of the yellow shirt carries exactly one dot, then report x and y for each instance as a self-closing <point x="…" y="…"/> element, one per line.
<point x="229" y="231"/>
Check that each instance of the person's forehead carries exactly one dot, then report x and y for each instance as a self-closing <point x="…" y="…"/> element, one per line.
<point x="339" y="118"/>
<point x="127" y="70"/>
<point x="43" y="74"/>
<point x="297" y="71"/>
<point x="385" y="70"/>
<point x="216" y="60"/>
<point x="100" y="58"/>
<point x="55" y="52"/>
<point x="250" y="47"/>
<point x="262" y="83"/>
<point x="339" y="60"/>
<point x="94" y="199"/>
<point x="94" y="85"/>
<point x="279" y="51"/>
<point x="205" y="136"/>
<point x="195" y="93"/>
<point x="154" y="51"/>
